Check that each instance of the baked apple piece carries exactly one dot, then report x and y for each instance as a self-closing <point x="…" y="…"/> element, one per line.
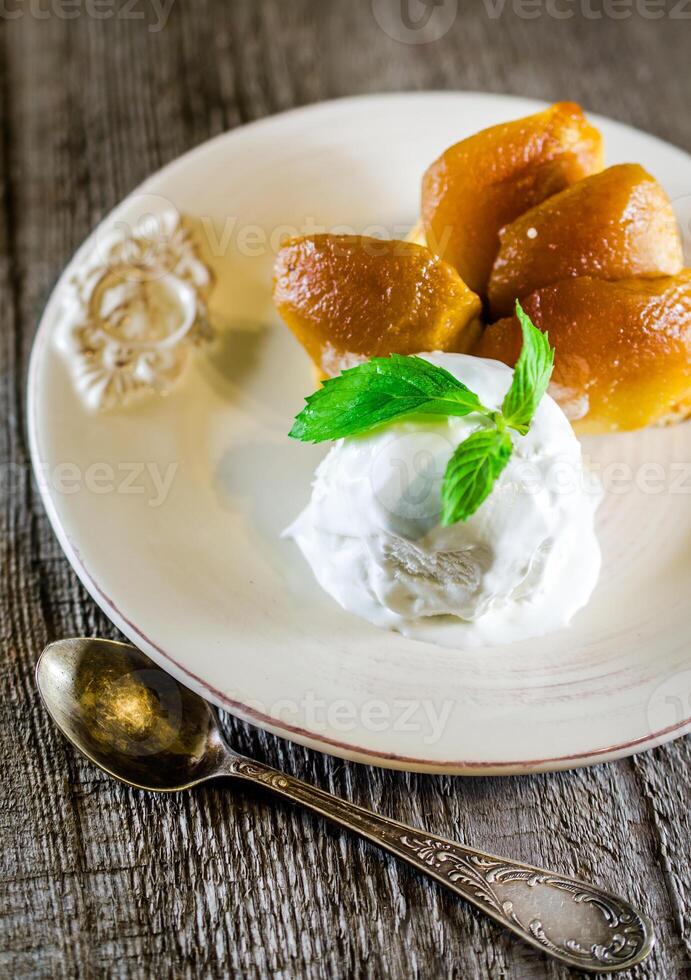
<point x="347" y="298"/>
<point x="623" y="349"/>
<point x="485" y="182"/>
<point x="618" y="224"/>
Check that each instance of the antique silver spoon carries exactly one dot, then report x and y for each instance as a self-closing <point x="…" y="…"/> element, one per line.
<point x="144" y="728"/>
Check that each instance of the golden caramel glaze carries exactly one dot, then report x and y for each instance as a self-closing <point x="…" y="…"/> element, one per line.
<point x="347" y="298"/>
<point x="417" y="234"/>
<point x="623" y="349"/>
<point x="485" y="182"/>
<point x="618" y="224"/>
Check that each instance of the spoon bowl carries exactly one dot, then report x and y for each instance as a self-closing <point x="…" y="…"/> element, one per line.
<point x="128" y="716"/>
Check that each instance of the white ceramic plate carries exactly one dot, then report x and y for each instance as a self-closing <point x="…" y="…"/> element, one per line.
<point x="203" y="582"/>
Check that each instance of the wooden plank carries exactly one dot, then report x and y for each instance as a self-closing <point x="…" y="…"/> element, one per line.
<point x="99" y="881"/>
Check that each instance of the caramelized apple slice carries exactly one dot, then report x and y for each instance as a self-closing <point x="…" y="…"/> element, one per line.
<point x="618" y="224"/>
<point x="483" y="183"/>
<point x="623" y="349"/>
<point x="347" y="298"/>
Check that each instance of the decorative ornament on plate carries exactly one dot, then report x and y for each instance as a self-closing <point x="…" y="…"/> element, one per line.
<point x="135" y="311"/>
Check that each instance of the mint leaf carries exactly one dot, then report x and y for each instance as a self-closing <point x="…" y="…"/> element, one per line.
<point x="471" y="473"/>
<point x="530" y="377"/>
<point x="382" y="389"/>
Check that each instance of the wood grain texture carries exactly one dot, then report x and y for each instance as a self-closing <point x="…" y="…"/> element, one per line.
<point x="97" y="881"/>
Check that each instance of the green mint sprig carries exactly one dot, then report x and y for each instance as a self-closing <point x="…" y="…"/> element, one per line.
<point x="471" y="473"/>
<point x="385" y="389"/>
<point x="531" y="375"/>
<point x="379" y="391"/>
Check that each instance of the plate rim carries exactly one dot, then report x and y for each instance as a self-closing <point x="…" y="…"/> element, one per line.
<point x="316" y="741"/>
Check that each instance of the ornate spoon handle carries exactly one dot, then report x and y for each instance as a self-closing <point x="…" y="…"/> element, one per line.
<point x="575" y="922"/>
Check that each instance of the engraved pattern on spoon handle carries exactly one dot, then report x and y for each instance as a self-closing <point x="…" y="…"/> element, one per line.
<point x="571" y="920"/>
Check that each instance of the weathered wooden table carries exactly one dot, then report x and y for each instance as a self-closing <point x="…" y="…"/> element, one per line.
<point x="101" y="882"/>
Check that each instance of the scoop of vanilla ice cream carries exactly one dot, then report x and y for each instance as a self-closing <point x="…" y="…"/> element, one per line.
<point x="521" y="566"/>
